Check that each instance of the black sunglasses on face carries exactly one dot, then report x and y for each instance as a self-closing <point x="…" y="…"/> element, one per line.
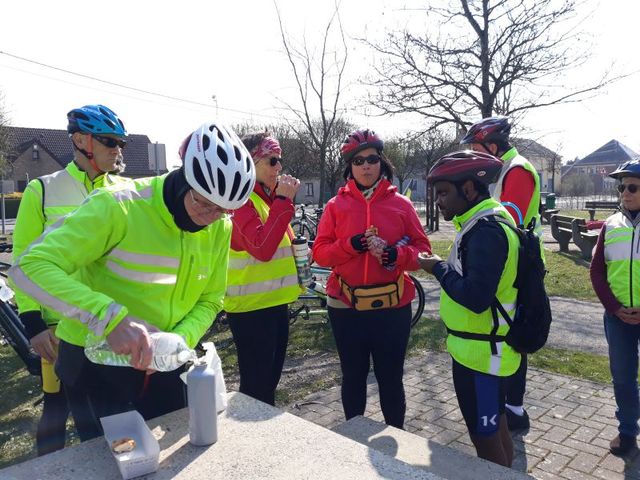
<point x="110" y="142"/>
<point x="273" y="161"/>
<point x="632" y="187"/>
<point x="371" y="160"/>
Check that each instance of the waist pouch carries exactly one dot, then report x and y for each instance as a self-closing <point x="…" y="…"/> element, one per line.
<point x="374" y="297"/>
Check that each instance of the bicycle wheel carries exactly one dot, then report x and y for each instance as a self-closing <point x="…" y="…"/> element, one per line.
<point x="302" y="229"/>
<point x="417" y="305"/>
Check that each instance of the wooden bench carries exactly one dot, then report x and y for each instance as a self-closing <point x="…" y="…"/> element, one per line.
<point x="583" y="238"/>
<point x="592" y="205"/>
<point x="545" y="214"/>
<point x="562" y="230"/>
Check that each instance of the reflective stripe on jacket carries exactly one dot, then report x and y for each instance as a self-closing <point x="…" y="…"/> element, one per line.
<point x="253" y="284"/>
<point x="134" y="260"/>
<point x="622" y="257"/>
<point x="63" y="192"/>
<point x="476" y="354"/>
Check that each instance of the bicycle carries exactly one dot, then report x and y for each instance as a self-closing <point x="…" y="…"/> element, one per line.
<point x="314" y="303"/>
<point x="306" y="225"/>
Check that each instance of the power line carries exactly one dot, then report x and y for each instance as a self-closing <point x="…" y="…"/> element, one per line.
<point x="120" y="85"/>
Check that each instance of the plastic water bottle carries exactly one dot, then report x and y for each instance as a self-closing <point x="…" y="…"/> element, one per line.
<point x="169" y="352"/>
<point x="201" y="397"/>
<point x="301" y="256"/>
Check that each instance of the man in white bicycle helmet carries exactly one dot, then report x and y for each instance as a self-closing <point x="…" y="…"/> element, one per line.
<point x="153" y="256"/>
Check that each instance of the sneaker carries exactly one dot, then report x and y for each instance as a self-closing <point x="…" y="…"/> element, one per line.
<point x="622" y="444"/>
<point x="517" y="422"/>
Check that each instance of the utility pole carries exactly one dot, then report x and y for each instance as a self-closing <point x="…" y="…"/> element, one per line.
<point x="2" y="196"/>
<point x="214" y="97"/>
<point x="155" y="151"/>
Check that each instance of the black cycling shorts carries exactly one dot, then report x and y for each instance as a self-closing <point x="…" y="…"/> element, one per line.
<point x="481" y="398"/>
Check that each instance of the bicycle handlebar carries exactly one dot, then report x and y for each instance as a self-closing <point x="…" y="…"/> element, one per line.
<point x="15" y="333"/>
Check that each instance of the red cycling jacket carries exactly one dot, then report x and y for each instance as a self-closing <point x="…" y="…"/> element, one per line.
<point x="259" y="239"/>
<point x="348" y="214"/>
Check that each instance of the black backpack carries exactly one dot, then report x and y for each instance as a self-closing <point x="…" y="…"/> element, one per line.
<point x="529" y="328"/>
<point x="532" y="320"/>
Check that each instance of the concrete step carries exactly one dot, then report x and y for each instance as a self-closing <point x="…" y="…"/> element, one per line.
<point x="443" y="461"/>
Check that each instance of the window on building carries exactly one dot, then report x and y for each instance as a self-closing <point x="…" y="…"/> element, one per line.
<point x="309" y="189"/>
<point x="35" y="152"/>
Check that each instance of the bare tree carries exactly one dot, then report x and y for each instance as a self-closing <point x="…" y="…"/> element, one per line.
<point x="554" y="165"/>
<point x="434" y="144"/>
<point x="318" y="76"/>
<point x="4" y="137"/>
<point x="483" y="57"/>
<point x="404" y="155"/>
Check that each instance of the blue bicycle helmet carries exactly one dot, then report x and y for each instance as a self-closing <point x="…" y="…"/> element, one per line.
<point x="627" y="169"/>
<point x="96" y="119"/>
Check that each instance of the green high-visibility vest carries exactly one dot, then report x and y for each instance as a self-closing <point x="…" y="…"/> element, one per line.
<point x="45" y="200"/>
<point x="253" y="284"/>
<point x="477" y="354"/>
<point x="622" y="258"/>
<point x="135" y="261"/>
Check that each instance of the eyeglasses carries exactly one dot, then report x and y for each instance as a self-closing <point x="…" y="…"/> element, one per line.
<point x="371" y="160"/>
<point x="210" y="206"/>
<point x="110" y="142"/>
<point x="273" y="161"/>
<point x="632" y="187"/>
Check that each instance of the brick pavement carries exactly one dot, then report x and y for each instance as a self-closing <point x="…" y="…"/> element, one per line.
<point x="572" y="420"/>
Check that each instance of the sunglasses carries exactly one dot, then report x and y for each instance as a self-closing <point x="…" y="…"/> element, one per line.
<point x="273" y="161"/>
<point x="110" y="142"/>
<point x="632" y="187"/>
<point x="371" y="160"/>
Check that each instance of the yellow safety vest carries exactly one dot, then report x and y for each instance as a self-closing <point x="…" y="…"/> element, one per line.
<point x="622" y="259"/>
<point x="477" y="354"/>
<point x="254" y="285"/>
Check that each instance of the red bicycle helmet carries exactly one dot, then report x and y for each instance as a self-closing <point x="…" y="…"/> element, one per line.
<point x="488" y="130"/>
<point x="466" y="165"/>
<point x="359" y="140"/>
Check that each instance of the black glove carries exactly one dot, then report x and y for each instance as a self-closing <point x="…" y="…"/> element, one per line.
<point x="359" y="243"/>
<point x="33" y="323"/>
<point x="389" y="255"/>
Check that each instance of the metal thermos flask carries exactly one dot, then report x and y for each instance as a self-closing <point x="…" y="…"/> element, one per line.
<point x="201" y="396"/>
<point x="301" y="256"/>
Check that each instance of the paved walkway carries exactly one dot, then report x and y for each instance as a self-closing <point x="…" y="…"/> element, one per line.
<point x="572" y="420"/>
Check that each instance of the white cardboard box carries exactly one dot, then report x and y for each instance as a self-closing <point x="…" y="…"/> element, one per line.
<point x="145" y="457"/>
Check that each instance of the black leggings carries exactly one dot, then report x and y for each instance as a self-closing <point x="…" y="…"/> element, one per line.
<point x="96" y="391"/>
<point x="261" y="338"/>
<point x="517" y="383"/>
<point x="383" y="335"/>
<point x="52" y="427"/>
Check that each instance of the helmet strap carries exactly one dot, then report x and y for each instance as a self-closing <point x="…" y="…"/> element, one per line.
<point x="484" y="145"/>
<point x="89" y="156"/>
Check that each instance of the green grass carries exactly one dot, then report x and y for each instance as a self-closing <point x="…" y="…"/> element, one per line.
<point x="579" y="213"/>
<point x="572" y="363"/>
<point x="18" y="412"/>
<point x="568" y="274"/>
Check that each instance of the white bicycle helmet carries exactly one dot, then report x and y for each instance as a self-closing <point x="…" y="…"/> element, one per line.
<point x="218" y="166"/>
